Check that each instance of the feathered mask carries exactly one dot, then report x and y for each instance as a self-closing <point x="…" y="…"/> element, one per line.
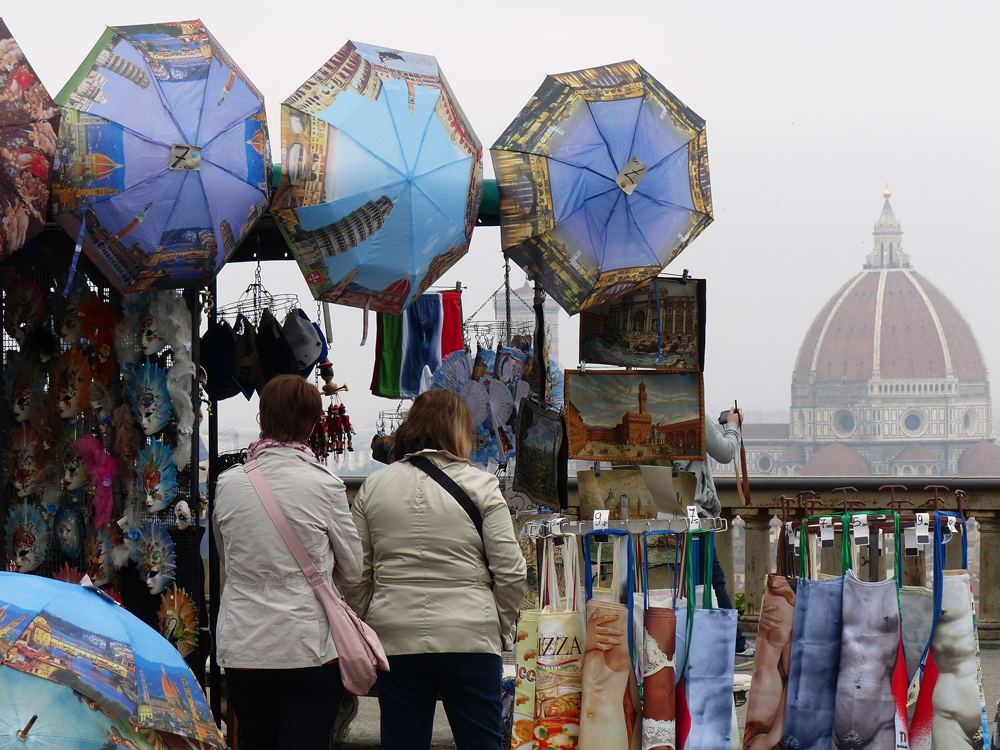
<point x="102" y="469"/>
<point x="69" y="529"/>
<point x="67" y="317"/>
<point x="66" y="574"/>
<point x="21" y="389"/>
<point x="179" y="620"/>
<point x="126" y="444"/>
<point x="23" y="307"/>
<point x="75" y="473"/>
<point x="154" y="555"/>
<point x="157" y="476"/>
<point x="150" y="399"/>
<point x="126" y="335"/>
<point x="99" y="561"/>
<point x="103" y="402"/>
<point x="27" y="537"/>
<point x="23" y="462"/>
<point x="150" y="340"/>
<point x="72" y="379"/>
<point x="98" y="325"/>
<point x="44" y="419"/>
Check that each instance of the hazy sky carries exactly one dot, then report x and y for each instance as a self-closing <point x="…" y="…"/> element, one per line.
<point x="811" y="109"/>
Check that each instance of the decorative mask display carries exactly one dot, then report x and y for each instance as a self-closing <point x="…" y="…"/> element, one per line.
<point x="179" y="620"/>
<point x="72" y="380"/>
<point x="21" y="389"/>
<point x="99" y="561"/>
<point x="44" y="419"/>
<point x="75" y="475"/>
<point x="180" y="380"/>
<point x="69" y="529"/>
<point x="39" y="349"/>
<point x="70" y="327"/>
<point x="182" y="514"/>
<point x="102" y="469"/>
<point x="128" y="438"/>
<point x="27" y="537"/>
<point x="154" y="554"/>
<point x="157" y="476"/>
<point x="150" y="340"/>
<point x="149" y="397"/>
<point x="23" y="459"/>
<point x="24" y="307"/>
<point x="102" y="402"/>
<point x="68" y="574"/>
<point x="98" y="324"/>
<point x="127" y="336"/>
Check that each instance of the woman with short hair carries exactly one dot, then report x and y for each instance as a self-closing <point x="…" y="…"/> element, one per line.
<point x="426" y="580"/>
<point x="273" y="637"/>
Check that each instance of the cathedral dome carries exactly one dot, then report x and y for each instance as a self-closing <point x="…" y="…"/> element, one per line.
<point x="889" y="323"/>
<point x="836" y="460"/>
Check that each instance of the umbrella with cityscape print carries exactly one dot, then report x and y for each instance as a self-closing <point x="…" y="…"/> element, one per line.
<point x="28" y="125"/>
<point x="164" y="162"/>
<point x="381" y="177"/>
<point x="603" y="180"/>
<point x="75" y="635"/>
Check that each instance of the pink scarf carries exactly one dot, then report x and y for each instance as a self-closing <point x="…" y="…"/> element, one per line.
<point x="258" y="445"/>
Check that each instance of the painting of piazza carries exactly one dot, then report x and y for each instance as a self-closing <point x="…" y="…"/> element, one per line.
<point x="635" y="417"/>
<point x="631" y="331"/>
<point x="612" y="490"/>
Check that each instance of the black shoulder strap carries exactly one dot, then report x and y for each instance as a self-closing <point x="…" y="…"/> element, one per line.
<point x="461" y="496"/>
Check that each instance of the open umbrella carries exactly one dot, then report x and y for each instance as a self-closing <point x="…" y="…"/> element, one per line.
<point x="603" y="180"/>
<point x="36" y="714"/>
<point x="165" y="163"/>
<point x="28" y="125"/>
<point x="76" y="636"/>
<point x="381" y="177"/>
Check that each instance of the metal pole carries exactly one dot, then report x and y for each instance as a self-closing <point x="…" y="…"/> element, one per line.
<point x="194" y="308"/>
<point x="215" y="674"/>
<point x="506" y="286"/>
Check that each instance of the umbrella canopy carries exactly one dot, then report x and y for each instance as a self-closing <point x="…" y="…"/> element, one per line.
<point x="164" y="156"/>
<point x="75" y="636"/>
<point x="381" y="177"/>
<point x="603" y="180"/>
<point x="29" y="122"/>
<point x="36" y="714"/>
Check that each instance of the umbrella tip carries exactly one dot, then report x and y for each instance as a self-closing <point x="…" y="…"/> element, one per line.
<point x="887" y="192"/>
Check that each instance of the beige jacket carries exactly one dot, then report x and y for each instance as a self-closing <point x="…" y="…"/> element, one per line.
<point x="424" y="583"/>
<point x="269" y="617"/>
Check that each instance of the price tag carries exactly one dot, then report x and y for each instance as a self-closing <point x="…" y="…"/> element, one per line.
<point x="601" y="519"/>
<point x="692" y="516"/>
<point x="826" y="531"/>
<point x="910" y="547"/>
<point x="881" y="542"/>
<point x="185" y="156"/>
<point x="859" y="525"/>
<point x="921" y="527"/>
<point x="952" y="528"/>
<point x="631" y="175"/>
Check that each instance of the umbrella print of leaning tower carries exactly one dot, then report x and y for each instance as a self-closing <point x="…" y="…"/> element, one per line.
<point x="351" y="231"/>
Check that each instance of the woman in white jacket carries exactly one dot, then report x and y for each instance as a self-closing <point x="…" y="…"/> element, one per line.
<point x="426" y="580"/>
<point x="273" y="635"/>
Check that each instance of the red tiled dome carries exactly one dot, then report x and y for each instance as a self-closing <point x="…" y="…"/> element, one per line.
<point x="981" y="460"/>
<point x="836" y="460"/>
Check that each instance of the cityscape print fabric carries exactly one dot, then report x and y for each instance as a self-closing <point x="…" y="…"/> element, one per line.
<point x="603" y="180"/>
<point x="381" y="177"/>
<point x="29" y="122"/>
<point x="163" y="154"/>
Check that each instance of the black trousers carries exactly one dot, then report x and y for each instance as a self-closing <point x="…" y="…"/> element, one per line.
<point x="285" y="709"/>
<point x="469" y="685"/>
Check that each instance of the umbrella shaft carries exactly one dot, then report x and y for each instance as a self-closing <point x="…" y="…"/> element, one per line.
<point x="23" y="734"/>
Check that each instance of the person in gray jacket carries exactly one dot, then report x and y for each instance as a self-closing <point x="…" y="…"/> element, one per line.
<point x="723" y="447"/>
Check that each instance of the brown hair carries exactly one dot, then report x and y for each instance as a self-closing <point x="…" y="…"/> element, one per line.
<point x="290" y="406"/>
<point x="439" y="417"/>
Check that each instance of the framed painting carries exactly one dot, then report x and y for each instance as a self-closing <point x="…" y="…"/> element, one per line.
<point x="612" y="490"/>
<point x="538" y="467"/>
<point x="661" y="325"/>
<point x="635" y="417"/>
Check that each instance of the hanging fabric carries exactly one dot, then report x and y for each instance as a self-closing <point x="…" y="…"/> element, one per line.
<point x="559" y="665"/>
<point x="526" y="655"/>
<point x="659" y="662"/>
<point x="611" y="713"/>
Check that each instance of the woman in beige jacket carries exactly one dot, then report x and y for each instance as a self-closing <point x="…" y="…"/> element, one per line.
<point x="273" y="634"/>
<point x="425" y="583"/>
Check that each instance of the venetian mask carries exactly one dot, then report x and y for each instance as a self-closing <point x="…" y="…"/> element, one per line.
<point x="182" y="514"/>
<point x="100" y="542"/>
<point x="67" y="574"/>
<point x="23" y="459"/>
<point x="75" y="474"/>
<point x="154" y="550"/>
<point x="24" y="307"/>
<point x="69" y="321"/>
<point x="27" y="537"/>
<point x="179" y="620"/>
<point x="157" y="475"/>
<point x="98" y="325"/>
<point x="150" y="400"/>
<point x="69" y="529"/>
<point x="150" y="340"/>
<point x="72" y="380"/>
<point x="21" y="389"/>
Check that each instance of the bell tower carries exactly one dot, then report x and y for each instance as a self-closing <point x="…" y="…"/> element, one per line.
<point x="642" y="397"/>
<point x="888" y="249"/>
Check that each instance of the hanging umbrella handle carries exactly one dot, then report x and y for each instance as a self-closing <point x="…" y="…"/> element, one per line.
<point x="23" y="734"/>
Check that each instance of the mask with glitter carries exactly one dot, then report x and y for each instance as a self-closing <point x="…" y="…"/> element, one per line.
<point x="150" y="340"/>
<point x="154" y="554"/>
<point x="99" y="544"/>
<point x="69" y="530"/>
<point x="27" y="537"/>
<point x="23" y="459"/>
<point x="72" y="380"/>
<point x="149" y="398"/>
<point x="157" y="475"/>
<point x="23" y="307"/>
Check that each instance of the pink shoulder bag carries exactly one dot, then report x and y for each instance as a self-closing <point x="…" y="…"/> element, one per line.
<point x="359" y="652"/>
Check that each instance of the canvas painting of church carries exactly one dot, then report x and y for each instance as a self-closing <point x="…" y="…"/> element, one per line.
<point x="661" y="325"/>
<point x="635" y="417"/>
<point x="612" y="491"/>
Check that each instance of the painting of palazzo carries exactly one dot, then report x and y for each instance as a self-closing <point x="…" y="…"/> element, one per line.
<point x="635" y="417"/>
<point x="611" y="491"/>
<point x="628" y="331"/>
